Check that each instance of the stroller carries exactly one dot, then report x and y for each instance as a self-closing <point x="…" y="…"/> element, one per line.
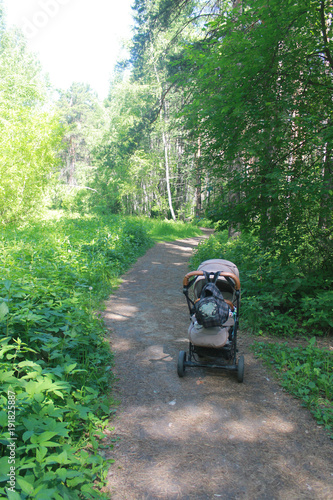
<point x="213" y="346"/>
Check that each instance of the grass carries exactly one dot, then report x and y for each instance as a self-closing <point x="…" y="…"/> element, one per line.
<point x="165" y="230"/>
<point x="55" y="364"/>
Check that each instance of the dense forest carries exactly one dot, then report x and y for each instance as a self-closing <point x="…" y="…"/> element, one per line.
<point x="223" y="110"/>
<point x="220" y="115"/>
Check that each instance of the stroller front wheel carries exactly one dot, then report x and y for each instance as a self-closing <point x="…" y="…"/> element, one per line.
<point x="181" y="363"/>
<point x="240" y="369"/>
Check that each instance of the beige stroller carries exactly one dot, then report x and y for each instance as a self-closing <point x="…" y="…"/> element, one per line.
<point x="213" y="346"/>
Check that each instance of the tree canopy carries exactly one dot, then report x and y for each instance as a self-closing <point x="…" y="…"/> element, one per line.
<point x="223" y="109"/>
<point x="30" y="131"/>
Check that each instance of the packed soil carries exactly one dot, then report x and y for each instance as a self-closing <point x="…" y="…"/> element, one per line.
<point x="203" y="436"/>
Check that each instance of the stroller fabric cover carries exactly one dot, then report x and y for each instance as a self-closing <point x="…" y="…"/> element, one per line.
<point x="215" y="336"/>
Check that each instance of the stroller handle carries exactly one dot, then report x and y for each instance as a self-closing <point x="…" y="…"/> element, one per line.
<point x="223" y="274"/>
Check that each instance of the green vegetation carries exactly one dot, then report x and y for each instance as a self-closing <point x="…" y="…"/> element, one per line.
<point x="279" y="298"/>
<point x="222" y="115"/>
<point x="30" y="131"/>
<point x="305" y="372"/>
<point x="54" y="352"/>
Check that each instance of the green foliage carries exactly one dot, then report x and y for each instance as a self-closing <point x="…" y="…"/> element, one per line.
<point x="54" y="355"/>
<point x="260" y="82"/>
<point x="278" y="297"/>
<point x="84" y="120"/>
<point x="305" y="372"/>
<point x="29" y="134"/>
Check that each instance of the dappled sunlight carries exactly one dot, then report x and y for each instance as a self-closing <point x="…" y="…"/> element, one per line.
<point x="205" y="435"/>
<point x="124" y="315"/>
<point x="178" y="437"/>
<point x="124" y="345"/>
<point x="257" y="429"/>
<point x="178" y="421"/>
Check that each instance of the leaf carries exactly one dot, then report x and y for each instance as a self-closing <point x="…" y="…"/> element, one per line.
<point x="27" y="488"/>
<point x="69" y="368"/>
<point x="62" y="473"/>
<point x="4" y="468"/>
<point x="13" y="495"/>
<point x="61" y="458"/>
<point x="40" y="453"/>
<point x="8" y="377"/>
<point x="7" y="284"/>
<point x="44" y="437"/>
<point x="3" y="311"/>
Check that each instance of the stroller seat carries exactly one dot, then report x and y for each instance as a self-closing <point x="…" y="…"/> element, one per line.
<point x="215" y="337"/>
<point x="212" y="266"/>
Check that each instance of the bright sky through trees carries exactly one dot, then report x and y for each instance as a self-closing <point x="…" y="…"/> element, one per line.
<point x="76" y="40"/>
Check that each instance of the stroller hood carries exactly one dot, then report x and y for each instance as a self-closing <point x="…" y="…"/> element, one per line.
<point x="214" y="265"/>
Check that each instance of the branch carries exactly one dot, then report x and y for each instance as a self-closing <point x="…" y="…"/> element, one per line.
<point x="84" y="187"/>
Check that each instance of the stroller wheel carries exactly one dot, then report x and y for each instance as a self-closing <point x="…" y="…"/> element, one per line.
<point x="240" y="369"/>
<point x="181" y="363"/>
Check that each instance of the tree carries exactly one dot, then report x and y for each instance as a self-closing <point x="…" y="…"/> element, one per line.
<point x="29" y="134"/>
<point x="84" y="120"/>
<point x="261" y="86"/>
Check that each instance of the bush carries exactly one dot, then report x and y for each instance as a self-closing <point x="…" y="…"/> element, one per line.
<point x="55" y="362"/>
<point x="277" y="297"/>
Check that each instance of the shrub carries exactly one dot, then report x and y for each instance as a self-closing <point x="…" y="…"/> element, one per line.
<point x="277" y="297"/>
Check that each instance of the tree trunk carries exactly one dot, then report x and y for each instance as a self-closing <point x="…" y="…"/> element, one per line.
<point x="325" y="208"/>
<point x="167" y="174"/>
<point x="198" y="201"/>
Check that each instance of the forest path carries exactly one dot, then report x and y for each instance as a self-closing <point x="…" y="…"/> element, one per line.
<point x="204" y="436"/>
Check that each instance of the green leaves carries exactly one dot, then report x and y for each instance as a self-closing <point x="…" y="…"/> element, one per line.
<point x="53" y="355"/>
<point x="284" y="298"/>
<point x="305" y="372"/>
<point x="259" y="82"/>
<point x="29" y="136"/>
<point x="3" y="311"/>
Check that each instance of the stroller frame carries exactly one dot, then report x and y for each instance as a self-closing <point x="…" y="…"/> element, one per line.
<point x="226" y="355"/>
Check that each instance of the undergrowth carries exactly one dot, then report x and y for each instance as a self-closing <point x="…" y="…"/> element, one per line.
<point x="306" y="373"/>
<point x="280" y="298"/>
<point x="55" y="363"/>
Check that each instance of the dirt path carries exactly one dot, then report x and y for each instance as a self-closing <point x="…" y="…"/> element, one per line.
<point x="204" y="436"/>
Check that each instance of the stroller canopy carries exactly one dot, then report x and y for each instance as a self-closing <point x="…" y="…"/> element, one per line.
<point x="213" y="266"/>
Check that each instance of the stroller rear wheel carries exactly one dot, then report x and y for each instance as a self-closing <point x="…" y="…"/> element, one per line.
<point x="240" y="369"/>
<point x="181" y="363"/>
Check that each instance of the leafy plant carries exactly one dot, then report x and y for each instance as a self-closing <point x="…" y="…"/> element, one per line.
<point x="54" y="356"/>
<point x="306" y="373"/>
